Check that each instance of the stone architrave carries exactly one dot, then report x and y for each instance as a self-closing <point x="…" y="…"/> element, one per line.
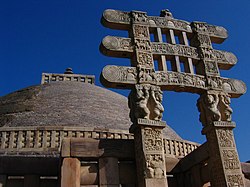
<point x="149" y="74"/>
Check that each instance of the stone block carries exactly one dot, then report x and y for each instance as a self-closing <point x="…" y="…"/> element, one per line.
<point x="65" y="147"/>
<point x="70" y="175"/>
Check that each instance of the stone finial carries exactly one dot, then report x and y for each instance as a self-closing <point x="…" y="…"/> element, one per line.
<point x="68" y="71"/>
<point x="166" y="13"/>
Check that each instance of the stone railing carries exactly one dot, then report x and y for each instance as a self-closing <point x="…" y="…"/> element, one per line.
<point x="53" y="77"/>
<point x="48" y="140"/>
<point x="179" y="148"/>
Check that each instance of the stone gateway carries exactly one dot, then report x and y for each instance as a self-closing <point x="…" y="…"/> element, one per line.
<point x="68" y="132"/>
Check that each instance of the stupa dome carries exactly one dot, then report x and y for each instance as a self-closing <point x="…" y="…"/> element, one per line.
<point x="67" y="104"/>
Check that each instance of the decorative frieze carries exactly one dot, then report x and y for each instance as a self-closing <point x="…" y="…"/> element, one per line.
<point x="232" y="86"/>
<point x="153" y="139"/>
<point x="145" y="59"/>
<point x="155" y="166"/>
<point x="115" y="16"/>
<point x="201" y="40"/>
<point x="142" y="45"/>
<point x="114" y="76"/>
<point x="139" y="17"/>
<point x="120" y="74"/>
<point x="170" y="49"/>
<point x="117" y="44"/>
<point x="141" y="31"/>
<point x="230" y="159"/>
<point x="235" y="180"/>
<point x="224" y="59"/>
<point x="211" y="68"/>
<point x="123" y="47"/>
<point x="211" y="30"/>
<point x="225" y="138"/>
<point x="162" y="22"/>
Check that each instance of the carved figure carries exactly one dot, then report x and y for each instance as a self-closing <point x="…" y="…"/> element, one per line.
<point x="131" y="74"/>
<point x="225" y="109"/>
<point x="215" y="107"/>
<point x="154" y="166"/>
<point x="208" y="107"/>
<point x="139" y="17"/>
<point x="158" y="109"/>
<point x="145" y="101"/>
<point x="144" y="75"/>
<point x="138" y="100"/>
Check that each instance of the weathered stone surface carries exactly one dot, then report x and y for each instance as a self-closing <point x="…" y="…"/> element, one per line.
<point x="71" y="172"/>
<point x="116" y="19"/>
<point x="46" y="105"/>
<point x="214" y="106"/>
<point x="200" y="75"/>
<point x="125" y="77"/>
<point x="123" y="47"/>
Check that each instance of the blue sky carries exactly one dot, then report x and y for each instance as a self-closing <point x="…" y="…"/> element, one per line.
<point x="49" y="35"/>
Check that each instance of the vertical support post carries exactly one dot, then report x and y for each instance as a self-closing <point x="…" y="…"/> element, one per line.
<point x="225" y="168"/>
<point x="176" y="64"/>
<point x="189" y="64"/>
<point x="31" y="180"/>
<point x="145" y="102"/>
<point x="162" y="66"/>
<point x="150" y="158"/>
<point x="224" y="164"/>
<point x="108" y="172"/>
<point x="3" y="179"/>
<point x="70" y="175"/>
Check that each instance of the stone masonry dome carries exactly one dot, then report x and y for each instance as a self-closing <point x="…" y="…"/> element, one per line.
<point x="67" y="103"/>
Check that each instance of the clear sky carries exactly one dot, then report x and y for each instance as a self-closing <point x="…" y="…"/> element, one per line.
<point x="49" y="35"/>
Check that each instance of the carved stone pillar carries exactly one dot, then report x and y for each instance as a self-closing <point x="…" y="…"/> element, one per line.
<point x="215" y="115"/>
<point x="71" y="172"/>
<point x="146" y="113"/>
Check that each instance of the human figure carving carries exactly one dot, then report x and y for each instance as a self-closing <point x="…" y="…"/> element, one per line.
<point x="208" y="108"/>
<point x="226" y="110"/>
<point x="157" y="108"/>
<point x="211" y="104"/>
<point x="138" y="101"/>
